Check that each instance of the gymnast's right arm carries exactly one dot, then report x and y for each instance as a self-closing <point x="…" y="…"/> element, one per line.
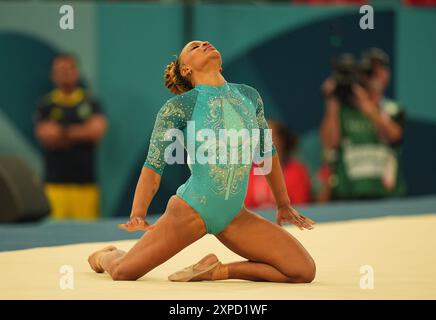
<point x="170" y="116"/>
<point x="146" y="188"/>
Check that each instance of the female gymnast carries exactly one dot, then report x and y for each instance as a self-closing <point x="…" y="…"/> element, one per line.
<point x="211" y="200"/>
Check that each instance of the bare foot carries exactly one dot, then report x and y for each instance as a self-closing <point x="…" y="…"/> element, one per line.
<point x="94" y="259"/>
<point x="208" y="268"/>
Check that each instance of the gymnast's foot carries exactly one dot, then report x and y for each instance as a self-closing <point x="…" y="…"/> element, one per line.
<point x="208" y="268"/>
<point x="94" y="259"/>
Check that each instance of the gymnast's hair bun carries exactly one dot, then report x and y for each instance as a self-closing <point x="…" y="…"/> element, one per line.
<point x="174" y="81"/>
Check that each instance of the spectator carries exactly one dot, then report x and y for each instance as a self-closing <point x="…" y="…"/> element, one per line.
<point x="69" y="124"/>
<point x="365" y="133"/>
<point x="296" y="176"/>
<point x="322" y="183"/>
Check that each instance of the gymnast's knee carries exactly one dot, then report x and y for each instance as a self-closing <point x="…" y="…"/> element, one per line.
<point x="122" y="274"/>
<point x="305" y="273"/>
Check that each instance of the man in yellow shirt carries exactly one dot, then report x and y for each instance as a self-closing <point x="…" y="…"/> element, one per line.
<point x="69" y="123"/>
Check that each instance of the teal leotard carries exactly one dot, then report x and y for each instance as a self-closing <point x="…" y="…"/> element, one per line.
<point x="215" y="190"/>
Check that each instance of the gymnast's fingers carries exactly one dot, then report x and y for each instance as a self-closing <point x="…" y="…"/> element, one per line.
<point x="308" y="222"/>
<point x="148" y="226"/>
<point x="126" y="227"/>
<point x="136" y="224"/>
<point x="279" y="219"/>
<point x="305" y="222"/>
<point x="293" y="220"/>
<point x="308" y="219"/>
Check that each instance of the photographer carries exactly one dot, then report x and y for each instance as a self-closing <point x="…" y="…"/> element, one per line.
<point x="362" y="130"/>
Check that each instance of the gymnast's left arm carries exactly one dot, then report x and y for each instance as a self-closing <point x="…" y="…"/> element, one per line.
<point x="275" y="178"/>
<point x="285" y="211"/>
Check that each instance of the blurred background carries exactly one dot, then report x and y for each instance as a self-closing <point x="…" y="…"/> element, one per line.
<point x="118" y="50"/>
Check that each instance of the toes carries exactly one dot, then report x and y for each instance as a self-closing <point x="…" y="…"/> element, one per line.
<point x="93" y="264"/>
<point x="206" y="262"/>
<point x="209" y="259"/>
<point x="92" y="259"/>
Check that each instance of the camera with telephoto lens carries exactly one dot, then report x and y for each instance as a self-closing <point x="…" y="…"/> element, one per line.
<point x="345" y="74"/>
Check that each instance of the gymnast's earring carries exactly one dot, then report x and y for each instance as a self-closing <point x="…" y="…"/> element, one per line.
<point x="188" y="73"/>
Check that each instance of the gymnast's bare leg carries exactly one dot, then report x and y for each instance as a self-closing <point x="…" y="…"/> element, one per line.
<point x="177" y="228"/>
<point x="272" y="253"/>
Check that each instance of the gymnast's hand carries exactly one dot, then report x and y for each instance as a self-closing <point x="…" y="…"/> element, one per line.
<point x="288" y="214"/>
<point x="136" y="224"/>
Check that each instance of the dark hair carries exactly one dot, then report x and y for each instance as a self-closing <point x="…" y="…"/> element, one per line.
<point x="371" y="58"/>
<point x="174" y="80"/>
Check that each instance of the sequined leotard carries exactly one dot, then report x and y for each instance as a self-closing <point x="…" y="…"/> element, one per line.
<point x="216" y="191"/>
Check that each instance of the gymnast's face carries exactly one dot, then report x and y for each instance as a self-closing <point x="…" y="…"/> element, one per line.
<point x="199" y="56"/>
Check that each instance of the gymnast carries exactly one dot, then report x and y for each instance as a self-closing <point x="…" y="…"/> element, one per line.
<point x="212" y="199"/>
